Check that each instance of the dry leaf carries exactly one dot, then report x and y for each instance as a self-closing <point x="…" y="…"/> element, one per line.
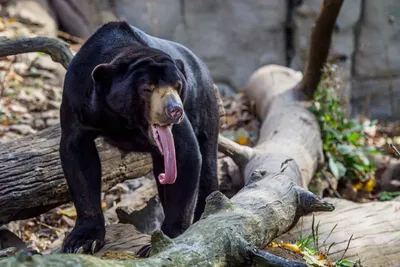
<point x="5" y="122"/>
<point x="292" y="247"/>
<point x="242" y="140"/>
<point x="369" y="185"/>
<point x="69" y="212"/>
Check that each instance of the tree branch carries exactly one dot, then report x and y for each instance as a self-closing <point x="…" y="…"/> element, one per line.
<point x="320" y="43"/>
<point x="57" y="49"/>
<point x="241" y="155"/>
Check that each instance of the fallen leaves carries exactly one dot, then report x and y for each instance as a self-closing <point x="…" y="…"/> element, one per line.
<point x="241" y="124"/>
<point x="310" y="257"/>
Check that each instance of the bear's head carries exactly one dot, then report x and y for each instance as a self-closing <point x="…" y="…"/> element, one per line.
<point x="146" y="88"/>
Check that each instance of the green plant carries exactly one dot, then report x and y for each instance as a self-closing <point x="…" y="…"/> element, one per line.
<point x="346" y="263"/>
<point x="384" y="196"/>
<point x="342" y="137"/>
<point x="316" y="254"/>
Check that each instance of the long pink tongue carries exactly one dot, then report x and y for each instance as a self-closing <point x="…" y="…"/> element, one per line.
<point x="167" y="142"/>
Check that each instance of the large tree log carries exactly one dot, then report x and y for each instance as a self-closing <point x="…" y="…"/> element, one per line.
<point x="373" y="226"/>
<point x="271" y="201"/>
<point x="32" y="180"/>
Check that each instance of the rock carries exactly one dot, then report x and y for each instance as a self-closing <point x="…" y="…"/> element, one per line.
<point x="9" y="239"/>
<point x="23" y="129"/>
<point x="44" y="62"/>
<point x="50" y="114"/>
<point x="42" y="74"/>
<point x="134" y="184"/>
<point x="51" y="117"/>
<point x="51" y="122"/>
<point x="27" y="118"/>
<point x="4" y="65"/>
<point x="136" y="200"/>
<point x="34" y="12"/>
<point x="20" y="68"/>
<point x="39" y="124"/>
<point x="18" y="109"/>
<point x="53" y="92"/>
<point x="27" y="58"/>
<point x="38" y="101"/>
<point x="54" y="104"/>
<point x="146" y="220"/>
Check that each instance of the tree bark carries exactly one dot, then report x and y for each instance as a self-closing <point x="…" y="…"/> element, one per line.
<point x="271" y="202"/>
<point x="373" y="225"/>
<point x="32" y="181"/>
<point x="57" y="49"/>
<point x="274" y="197"/>
<point x="320" y="43"/>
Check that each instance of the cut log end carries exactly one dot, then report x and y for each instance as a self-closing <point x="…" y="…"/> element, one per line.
<point x="308" y="202"/>
<point x="159" y="242"/>
<point x="216" y="202"/>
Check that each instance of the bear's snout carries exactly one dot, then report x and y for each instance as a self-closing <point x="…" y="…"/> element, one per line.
<point x="166" y="107"/>
<point x="174" y="111"/>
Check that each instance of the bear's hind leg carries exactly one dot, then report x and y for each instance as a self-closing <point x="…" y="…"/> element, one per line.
<point x="209" y="171"/>
<point x="179" y="199"/>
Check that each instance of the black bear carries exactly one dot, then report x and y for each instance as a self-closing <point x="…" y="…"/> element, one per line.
<point x="143" y="94"/>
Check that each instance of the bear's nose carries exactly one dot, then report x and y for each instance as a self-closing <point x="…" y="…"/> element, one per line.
<point x="174" y="112"/>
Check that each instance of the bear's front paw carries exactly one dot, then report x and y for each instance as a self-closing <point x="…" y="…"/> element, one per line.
<point x="86" y="237"/>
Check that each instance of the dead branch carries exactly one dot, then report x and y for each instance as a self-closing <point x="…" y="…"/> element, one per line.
<point x="276" y="172"/>
<point x="57" y="49"/>
<point x="320" y="43"/>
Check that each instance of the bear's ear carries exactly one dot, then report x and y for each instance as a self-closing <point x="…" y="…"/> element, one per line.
<point x="102" y="74"/>
<point x="181" y="67"/>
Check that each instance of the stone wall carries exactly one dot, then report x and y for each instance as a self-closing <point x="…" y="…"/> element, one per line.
<point x="367" y="40"/>
<point x="376" y="76"/>
<point x="235" y="37"/>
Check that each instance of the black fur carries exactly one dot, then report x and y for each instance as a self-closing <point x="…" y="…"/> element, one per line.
<point x="110" y="102"/>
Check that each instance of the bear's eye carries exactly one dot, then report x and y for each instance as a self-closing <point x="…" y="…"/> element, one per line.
<point x="178" y="86"/>
<point x="147" y="89"/>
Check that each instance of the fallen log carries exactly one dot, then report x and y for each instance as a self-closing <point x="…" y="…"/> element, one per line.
<point x="230" y="232"/>
<point x="32" y="181"/>
<point x="373" y="227"/>
<point x="270" y="203"/>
